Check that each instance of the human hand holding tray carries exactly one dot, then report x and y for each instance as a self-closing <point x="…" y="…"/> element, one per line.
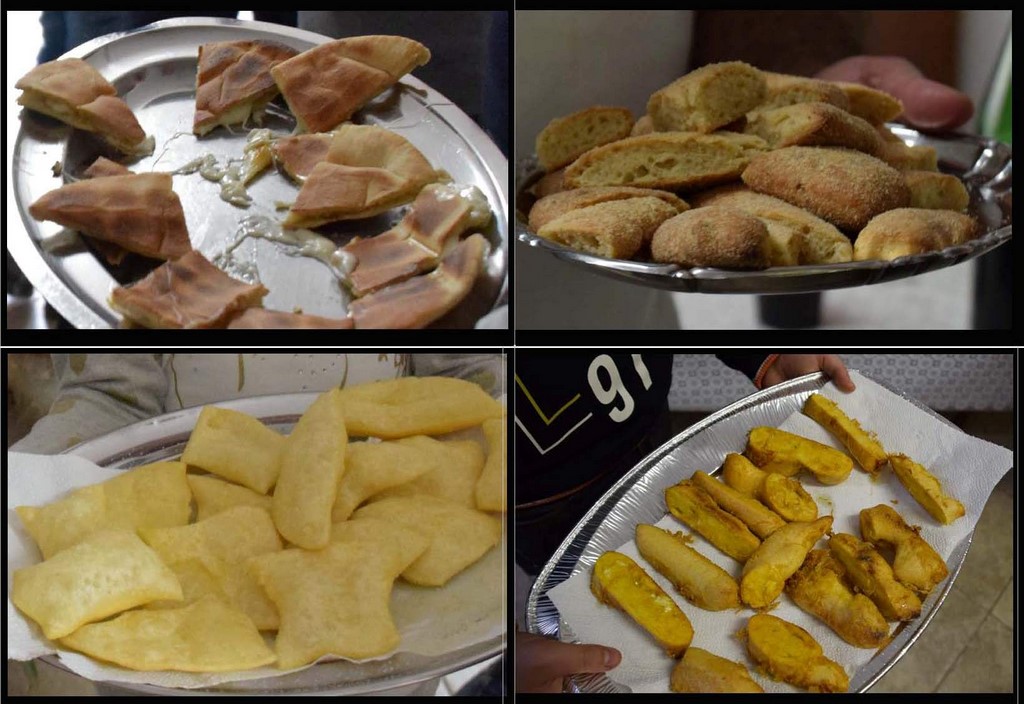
<point x="968" y="467"/>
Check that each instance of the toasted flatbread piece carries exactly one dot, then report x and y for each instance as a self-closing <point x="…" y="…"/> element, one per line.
<point x="813" y="124"/>
<point x="459" y="536"/>
<point x="409" y="406"/>
<point x="233" y="81"/>
<point x="327" y="84"/>
<point x="235" y="446"/>
<point x="905" y="231"/>
<point x="713" y="236"/>
<point x="871" y="104"/>
<point x="616" y="229"/>
<point x="108" y="572"/>
<point x="187" y="293"/>
<point x="707" y="98"/>
<point x="565" y="139"/>
<point x="150" y="496"/>
<point x="139" y="212"/>
<point x="784" y="89"/>
<point x="368" y="170"/>
<point x="298" y="155"/>
<point x="550" y="207"/>
<point x="388" y="52"/>
<point x="105" y="167"/>
<point x="419" y="301"/>
<point x="207" y="636"/>
<point x="903" y="157"/>
<point x="263" y="319"/>
<point x="845" y="187"/>
<point x="796" y="236"/>
<point x="667" y="160"/>
<point x="431" y="228"/>
<point x="936" y="191"/>
<point x="77" y="94"/>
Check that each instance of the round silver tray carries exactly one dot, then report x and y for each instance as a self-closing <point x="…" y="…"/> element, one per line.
<point x="613" y="519"/>
<point x="984" y="165"/>
<point x="164" y="438"/>
<point x="154" y="70"/>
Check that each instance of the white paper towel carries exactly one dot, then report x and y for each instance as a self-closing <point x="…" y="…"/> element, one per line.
<point x="968" y="467"/>
<point x="432" y="622"/>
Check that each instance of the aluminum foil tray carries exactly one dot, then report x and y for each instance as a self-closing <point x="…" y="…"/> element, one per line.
<point x="636" y="498"/>
<point x="154" y="70"/>
<point x="164" y="438"/>
<point x="984" y="165"/>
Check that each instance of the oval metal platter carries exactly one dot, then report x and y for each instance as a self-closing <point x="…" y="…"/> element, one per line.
<point x="984" y="165"/>
<point x="632" y="500"/>
<point x="154" y="70"/>
<point x="164" y="438"/>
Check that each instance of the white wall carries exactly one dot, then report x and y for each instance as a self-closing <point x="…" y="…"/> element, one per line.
<point x="981" y="35"/>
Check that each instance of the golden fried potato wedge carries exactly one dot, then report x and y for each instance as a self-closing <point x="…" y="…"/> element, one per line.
<point x="621" y="583"/>
<point x="864" y="446"/>
<point x="761" y="520"/>
<point x="874" y="578"/>
<point x="694" y="507"/>
<point x="789" y="653"/>
<point x="780" y="555"/>
<point x="916" y="564"/>
<point x="926" y="488"/>
<point x="701" y="671"/>
<point x="698" y="579"/>
<point x="818" y="588"/>
<point x="783" y="495"/>
<point x="775" y="450"/>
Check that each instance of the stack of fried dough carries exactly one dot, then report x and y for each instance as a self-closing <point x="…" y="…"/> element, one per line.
<point x="760" y="515"/>
<point x="297" y="539"/>
<point x="774" y="170"/>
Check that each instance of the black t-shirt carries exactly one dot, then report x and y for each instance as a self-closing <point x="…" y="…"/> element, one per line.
<point x="575" y="412"/>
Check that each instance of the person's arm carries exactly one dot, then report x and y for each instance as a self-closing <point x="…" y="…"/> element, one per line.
<point x="768" y="370"/>
<point x="98" y="393"/>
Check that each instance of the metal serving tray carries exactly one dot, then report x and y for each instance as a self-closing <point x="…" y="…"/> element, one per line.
<point x="613" y="518"/>
<point x="984" y="165"/>
<point x="164" y="438"/>
<point x="154" y="70"/>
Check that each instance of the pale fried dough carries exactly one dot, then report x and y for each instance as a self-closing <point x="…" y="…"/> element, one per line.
<point x="784" y="89"/>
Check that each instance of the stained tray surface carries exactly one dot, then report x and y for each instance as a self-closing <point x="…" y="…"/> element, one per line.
<point x="984" y="165"/>
<point x="164" y="438"/>
<point x="637" y="498"/>
<point x="154" y="71"/>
